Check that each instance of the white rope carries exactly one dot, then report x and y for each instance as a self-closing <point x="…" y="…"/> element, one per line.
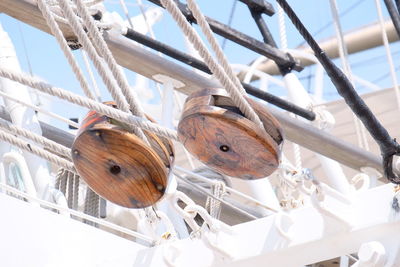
<point x="40" y="110"/>
<point x="213" y="205"/>
<point x="282" y="28"/>
<point x="77" y="214"/>
<point x="115" y="92"/>
<point x="284" y="46"/>
<point x="126" y="12"/>
<point x="37" y="151"/>
<point x="91" y="75"/>
<point x="194" y="38"/>
<point x="109" y="59"/>
<point x="360" y="130"/>
<point x="119" y="115"/>
<point x="388" y="53"/>
<point x="46" y="143"/>
<point x="55" y="29"/>
<point x="97" y="61"/>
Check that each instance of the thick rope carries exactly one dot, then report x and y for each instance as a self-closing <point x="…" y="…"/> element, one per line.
<point x="213" y="206"/>
<point x="92" y="201"/>
<point x="97" y="61"/>
<point x="70" y="199"/>
<point x="388" y="53"/>
<point x="55" y="29"/>
<point x="282" y="28"/>
<point x="223" y="61"/>
<point x="388" y="146"/>
<point x="109" y="59"/>
<point x="37" y="151"/>
<point x="46" y="143"/>
<point x="219" y="73"/>
<point x="76" y="192"/>
<point x="85" y="102"/>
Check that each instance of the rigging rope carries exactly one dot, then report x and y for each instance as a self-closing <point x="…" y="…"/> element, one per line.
<point x="388" y="146"/>
<point x="229" y="85"/>
<point x="231" y="14"/>
<point x="96" y="59"/>
<point x="40" y="110"/>
<point x="388" y="53"/>
<point x="37" y="151"/>
<point x="55" y="29"/>
<point x="109" y="59"/>
<point x="360" y="129"/>
<point x="46" y="143"/>
<point x="119" y="115"/>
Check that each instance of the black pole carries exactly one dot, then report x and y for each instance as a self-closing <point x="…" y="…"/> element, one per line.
<point x="394" y="15"/>
<point x="388" y="146"/>
<point x="200" y="65"/>
<point x="242" y="39"/>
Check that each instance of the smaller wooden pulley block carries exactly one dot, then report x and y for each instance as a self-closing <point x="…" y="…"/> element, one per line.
<point x="220" y="136"/>
<point x="118" y="165"/>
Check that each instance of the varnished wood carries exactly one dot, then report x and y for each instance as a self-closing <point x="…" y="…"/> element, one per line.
<point x="118" y="165"/>
<point x="213" y="130"/>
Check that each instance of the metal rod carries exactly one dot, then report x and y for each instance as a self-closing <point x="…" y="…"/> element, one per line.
<point x="394" y="15"/>
<point x="262" y="26"/>
<point x="240" y="38"/>
<point x="260" y="6"/>
<point x="200" y="65"/>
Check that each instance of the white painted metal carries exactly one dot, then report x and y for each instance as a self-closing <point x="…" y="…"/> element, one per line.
<point x="35" y="237"/>
<point x="334" y="172"/>
<point x="21" y="115"/>
<point x="305" y="234"/>
<point x="19" y="161"/>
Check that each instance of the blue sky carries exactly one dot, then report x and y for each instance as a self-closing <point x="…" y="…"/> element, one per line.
<point x="48" y="62"/>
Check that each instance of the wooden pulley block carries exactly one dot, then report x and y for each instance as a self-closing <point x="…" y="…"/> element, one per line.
<point x="118" y="165"/>
<point x="220" y="136"/>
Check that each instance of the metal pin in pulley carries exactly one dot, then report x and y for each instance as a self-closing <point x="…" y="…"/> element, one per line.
<point x="219" y="135"/>
<point x="118" y="165"/>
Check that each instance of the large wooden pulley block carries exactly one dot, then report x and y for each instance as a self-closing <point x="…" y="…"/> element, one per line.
<point x="118" y="165"/>
<point x="218" y="134"/>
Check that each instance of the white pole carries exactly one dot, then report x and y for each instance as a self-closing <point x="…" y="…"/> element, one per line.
<point x="21" y="115"/>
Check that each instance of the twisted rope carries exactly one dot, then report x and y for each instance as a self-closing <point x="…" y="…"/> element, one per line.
<point x="388" y="146"/>
<point x="194" y="38"/>
<point x="37" y="151"/>
<point x="55" y="29"/>
<point x="109" y="59"/>
<point x="97" y="61"/>
<point x="46" y="143"/>
<point x="88" y="103"/>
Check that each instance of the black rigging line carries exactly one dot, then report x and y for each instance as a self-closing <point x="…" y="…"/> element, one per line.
<point x="200" y="65"/>
<point x="232" y="13"/>
<point x="241" y="38"/>
<point x="388" y="146"/>
<point x="394" y="15"/>
<point x="326" y="26"/>
<point x="398" y="5"/>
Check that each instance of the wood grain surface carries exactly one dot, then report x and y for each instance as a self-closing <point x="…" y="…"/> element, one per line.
<point x="118" y="165"/>
<point x="216" y="133"/>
